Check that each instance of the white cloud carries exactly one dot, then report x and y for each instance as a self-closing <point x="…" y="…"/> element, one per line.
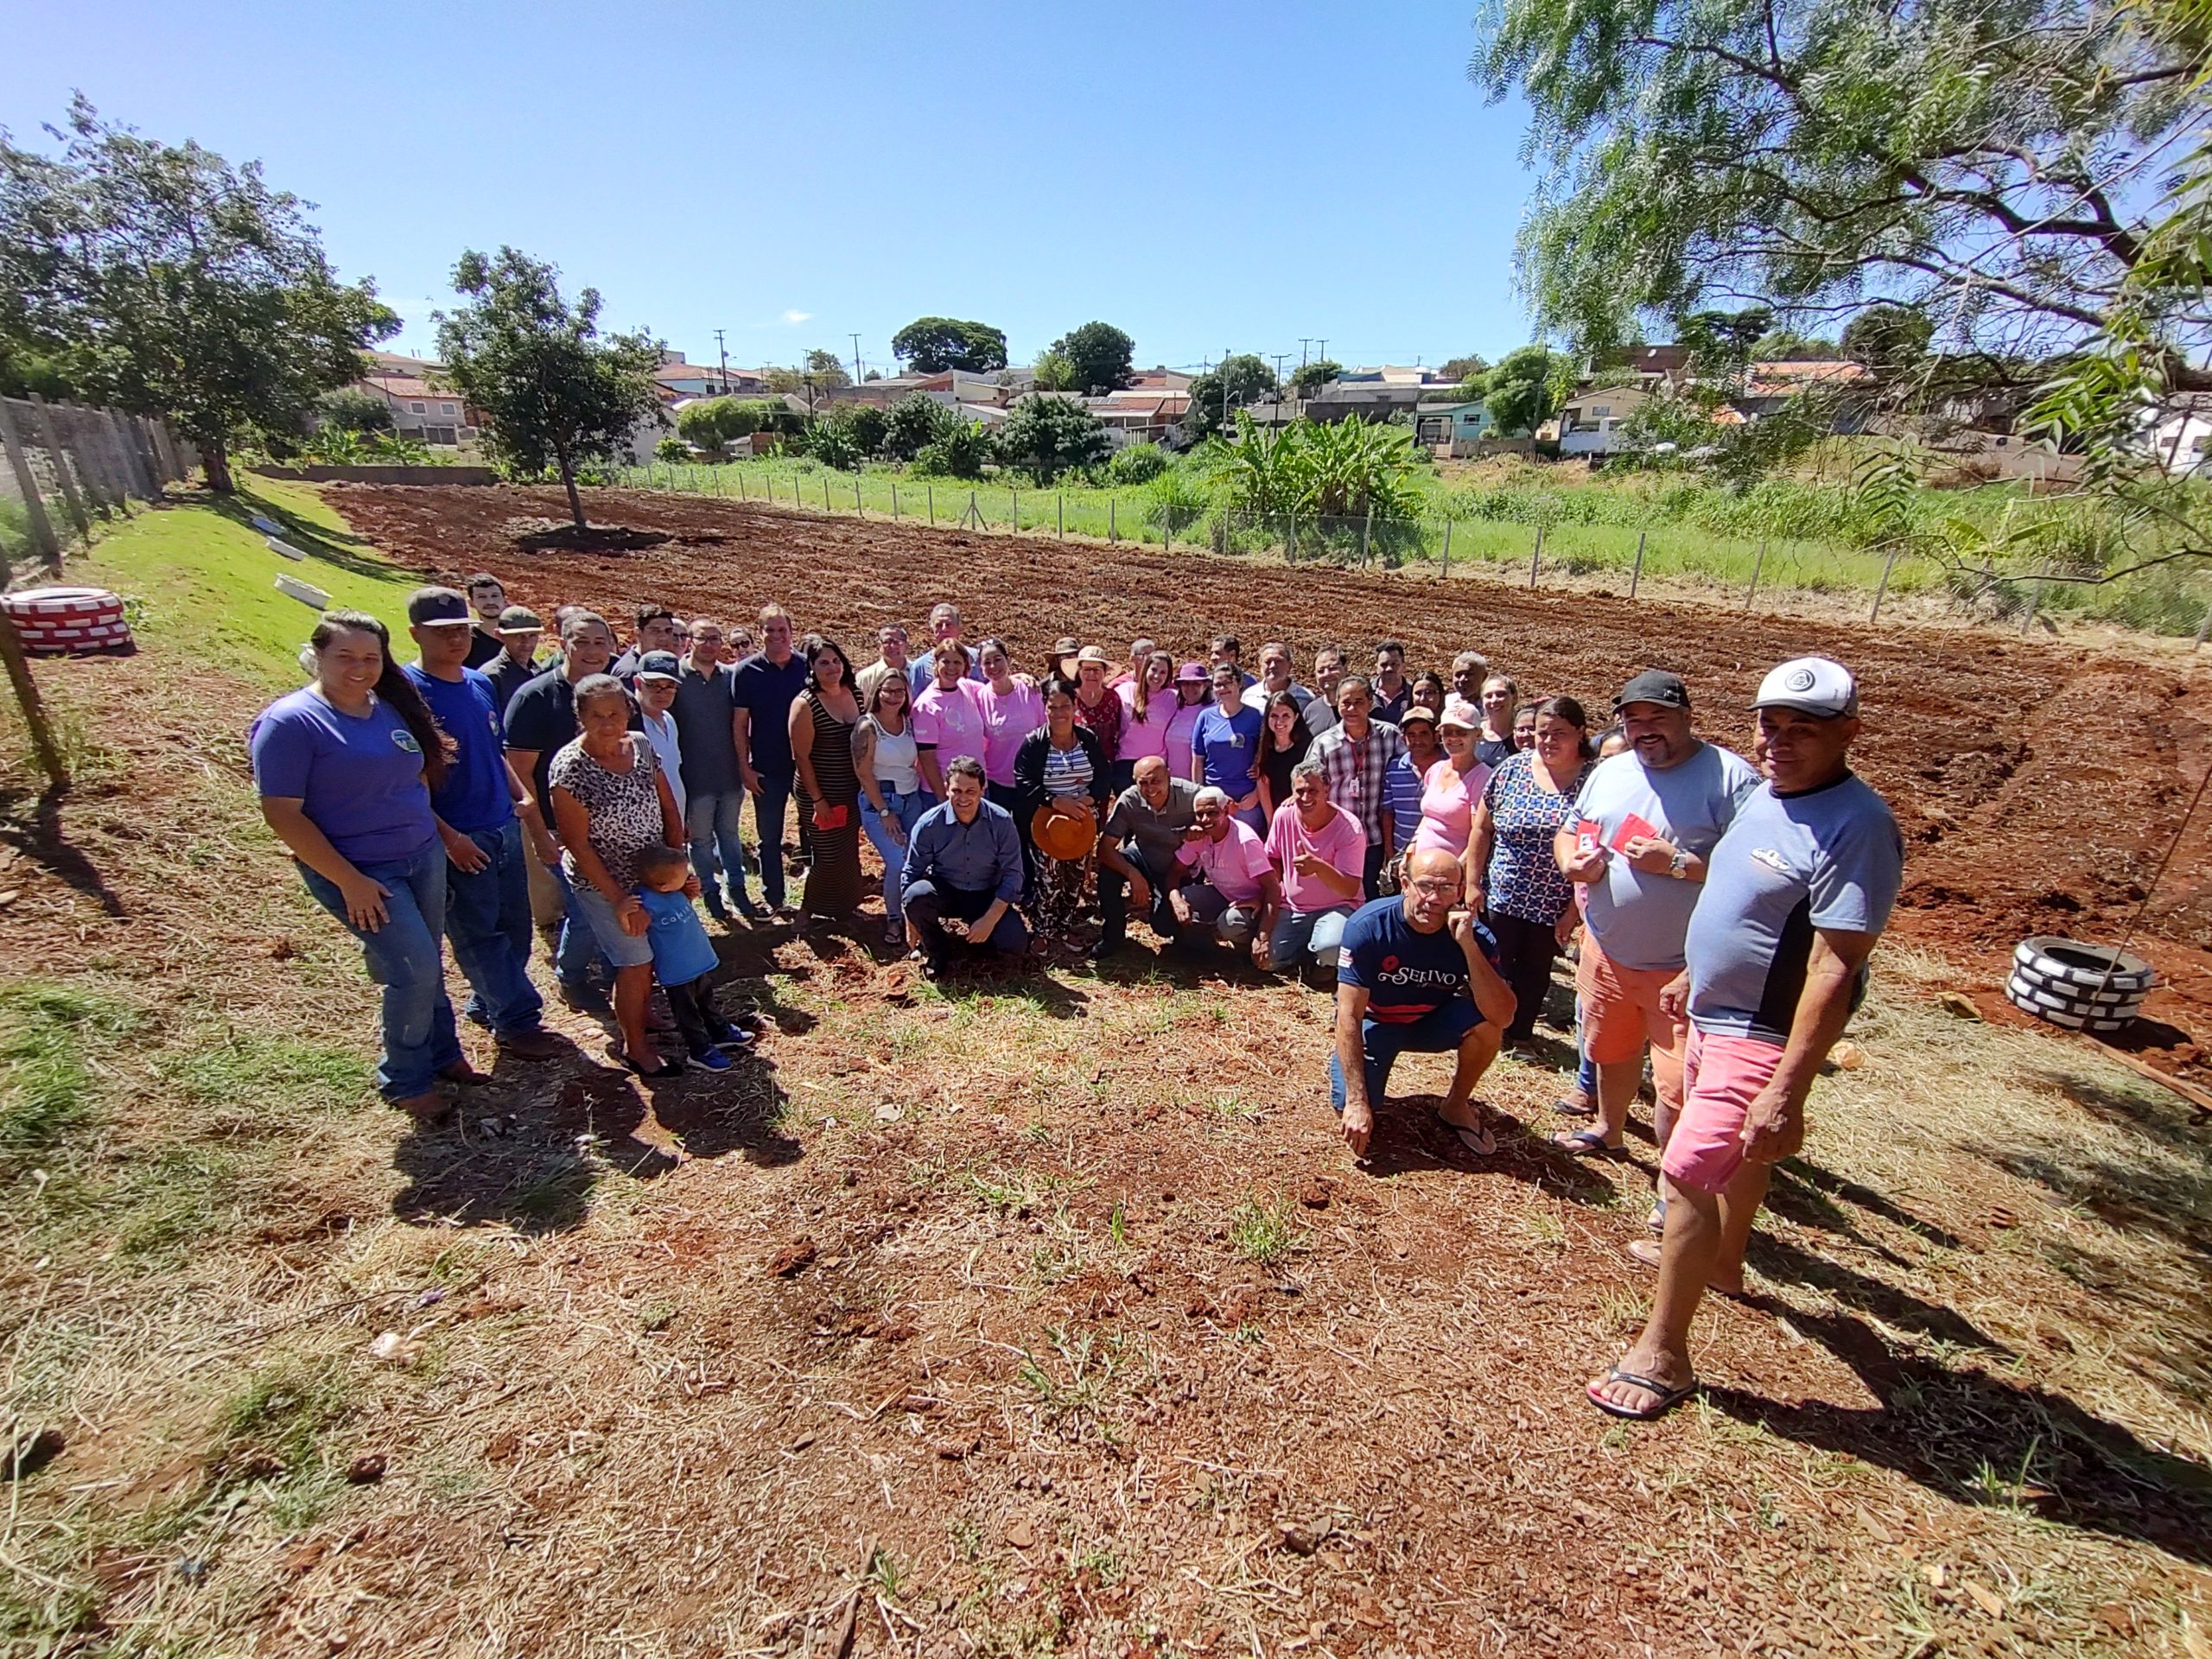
<point x="799" y="317"/>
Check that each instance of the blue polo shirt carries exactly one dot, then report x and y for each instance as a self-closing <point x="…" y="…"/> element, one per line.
<point x="475" y="799"/>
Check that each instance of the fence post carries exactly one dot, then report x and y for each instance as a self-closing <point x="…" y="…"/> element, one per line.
<point x="1536" y="556"/>
<point x="42" y="537"/>
<point x="2034" y="599"/>
<point x="825" y="492"/>
<point x="1447" y="550"/>
<point x="975" y="519"/>
<point x="1888" y="565"/>
<point x="1060" y="515"/>
<point x="19" y="674"/>
<point x="931" y="489"/>
<point x="1290" y="545"/>
<point x="1758" y="565"/>
<point x="1636" y="574"/>
<point x="60" y="457"/>
<point x="1014" y="511"/>
<point x="894" y="500"/>
<point x="1365" y="525"/>
<point x="1167" y="527"/>
<point x="1113" y="530"/>
<point x="859" y="512"/>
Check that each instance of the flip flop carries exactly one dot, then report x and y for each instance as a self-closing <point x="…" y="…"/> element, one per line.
<point x="1667" y="1398"/>
<point x="1585" y="1143"/>
<point x="665" y="1070"/>
<point x="1656" y="1221"/>
<point x="1482" y="1142"/>
<point x="1567" y="1107"/>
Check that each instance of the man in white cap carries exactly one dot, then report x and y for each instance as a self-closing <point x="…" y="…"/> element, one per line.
<point x="1795" y="894"/>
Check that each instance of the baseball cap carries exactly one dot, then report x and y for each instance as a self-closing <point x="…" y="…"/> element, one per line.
<point x="659" y="665"/>
<point x="1811" y="685"/>
<point x="435" y="607"/>
<point x="1194" y="672"/>
<point x="1066" y="645"/>
<point x="1655" y="685"/>
<point x="1418" y="711"/>
<point x="520" y="619"/>
<point x="1459" y="714"/>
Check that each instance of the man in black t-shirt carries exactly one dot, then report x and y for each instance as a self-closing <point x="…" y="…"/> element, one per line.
<point x="486" y="598"/>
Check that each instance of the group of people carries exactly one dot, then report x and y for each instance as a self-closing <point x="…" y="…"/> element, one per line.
<point x="1429" y="844"/>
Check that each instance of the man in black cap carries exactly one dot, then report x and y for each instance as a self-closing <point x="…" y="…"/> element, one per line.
<point x="1645" y="822"/>
<point x="516" y="664"/>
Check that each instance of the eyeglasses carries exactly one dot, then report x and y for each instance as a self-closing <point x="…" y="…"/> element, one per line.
<point x="1435" y="888"/>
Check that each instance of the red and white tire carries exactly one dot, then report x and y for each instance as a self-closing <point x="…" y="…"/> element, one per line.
<point x="57" y="620"/>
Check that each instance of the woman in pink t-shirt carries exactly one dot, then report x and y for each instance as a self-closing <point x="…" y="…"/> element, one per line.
<point x="1013" y="707"/>
<point x="948" y="719"/>
<point x="1148" y="707"/>
<point x="1453" y="787"/>
<point x="1193" y="697"/>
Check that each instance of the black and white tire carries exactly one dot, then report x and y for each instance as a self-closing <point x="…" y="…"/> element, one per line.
<point x="2076" y="1013"/>
<point x="2082" y="968"/>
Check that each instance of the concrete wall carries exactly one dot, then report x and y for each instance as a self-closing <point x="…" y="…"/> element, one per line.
<point x="318" y="475"/>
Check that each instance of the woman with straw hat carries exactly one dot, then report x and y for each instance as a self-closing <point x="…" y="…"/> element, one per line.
<point x="1061" y="774"/>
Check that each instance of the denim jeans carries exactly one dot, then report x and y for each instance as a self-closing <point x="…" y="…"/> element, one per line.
<point x="578" y="954"/>
<point x="406" y="956"/>
<point x="1440" y="1031"/>
<point x="711" y="822"/>
<point x="1232" y="925"/>
<point x="1299" y="933"/>
<point x="487" y="922"/>
<point x="927" y="905"/>
<point x="908" y="809"/>
<point x="768" y="809"/>
<point x="1114" y="899"/>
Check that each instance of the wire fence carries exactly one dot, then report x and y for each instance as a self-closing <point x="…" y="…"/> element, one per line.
<point x="70" y="468"/>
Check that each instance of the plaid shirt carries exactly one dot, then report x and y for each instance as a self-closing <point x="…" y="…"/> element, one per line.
<point x="1357" y="772"/>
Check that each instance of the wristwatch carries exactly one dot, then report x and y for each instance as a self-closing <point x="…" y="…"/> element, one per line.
<point x="1679" y="865"/>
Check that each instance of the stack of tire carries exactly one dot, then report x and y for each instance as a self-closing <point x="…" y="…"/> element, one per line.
<point x="2081" y="987"/>
<point x="68" y="621"/>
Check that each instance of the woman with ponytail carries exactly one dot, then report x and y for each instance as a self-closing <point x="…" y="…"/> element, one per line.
<point x="344" y="767"/>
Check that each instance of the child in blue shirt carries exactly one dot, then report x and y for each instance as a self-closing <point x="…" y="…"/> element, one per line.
<point x="683" y="958"/>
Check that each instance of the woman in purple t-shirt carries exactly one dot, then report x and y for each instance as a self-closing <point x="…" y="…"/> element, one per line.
<point x="344" y="767"/>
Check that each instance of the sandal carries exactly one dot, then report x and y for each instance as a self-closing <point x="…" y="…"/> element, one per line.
<point x="1480" y="1141"/>
<point x="1585" y="1143"/>
<point x="1569" y="1106"/>
<point x="1664" y="1399"/>
<point x="664" y="1069"/>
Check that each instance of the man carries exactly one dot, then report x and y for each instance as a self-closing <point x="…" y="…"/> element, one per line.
<point x="541" y="722"/>
<point x="658" y="672"/>
<point x="1066" y="650"/>
<point x="963" y="872"/>
<point x="1356" y="755"/>
<point x="890" y="642"/>
<point x="1329" y="665"/>
<point x="483" y="810"/>
<point x="1235" y="892"/>
<point x="1140" y="654"/>
<point x="516" y="664"/>
<point x="656" y="631"/>
<point x="1469" y="670"/>
<point x="1226" y="651"/>
<point x="1647" y="821"/>
<point x="1318" y="851"/>
<point x="1147" y="826"/>
<point x="714" y="789"/>
<point x="1413" y="977"/>
<point x="945" y="624"/>
<point x="486" y="598"/>
<point x="1274" y="679"/>
<point x="1393" y="692"/>
<point x="764" y="686"/>
<point x="1799" y="890"/>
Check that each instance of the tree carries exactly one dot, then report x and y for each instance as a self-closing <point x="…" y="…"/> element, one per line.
<point x="1778" y="344"/>
<point x="712" y="424"/>
<point x="1241" y="378"/>
<point x="959" y="451"/>
<point x="1052" y="371"/>
<point x="936" y="344"/>
<point x="553" y="392"/>
<point x="1888" y="338"/>
<point x="824" y="369"/>
<point x="1518" y="393"/>
<point x="1312" y="377"/>
<point x="911" y="422"/>
<point x="1463" y="369"/>
<point x="868" y="425"/>
<point x="350" y="409"/>
<point x="1100" y="354"/>
<point x="160" y="278"/>
<point x="1045" y="436"/>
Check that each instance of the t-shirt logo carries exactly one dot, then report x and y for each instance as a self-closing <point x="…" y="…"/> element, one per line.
<point x="1773" y="861"/>
<point x="405" y="740"/>
<point x="1801" y="679"/>
<point x="1390" y="964"/>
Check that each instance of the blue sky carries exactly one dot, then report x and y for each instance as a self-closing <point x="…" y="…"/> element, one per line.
<point x="1206" y="176"/>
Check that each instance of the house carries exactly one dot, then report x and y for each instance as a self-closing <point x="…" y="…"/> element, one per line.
<point x="1139" y="414"/>
<point x="422" y="410"/>
<point x="1364" y="400"/>
<point x="1455" y="429"/>
<point x="1159" y="379"/>
<point x="1393" y="374"/>
<point x="676" y="378"/>
<point x="2178" y="436"/>
<point x="1590" y="422"/>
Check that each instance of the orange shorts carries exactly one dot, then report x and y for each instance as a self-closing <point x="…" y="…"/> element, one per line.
<point x="1621" y="1015"/>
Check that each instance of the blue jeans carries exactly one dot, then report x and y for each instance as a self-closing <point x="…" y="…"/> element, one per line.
<point x="1586" y="1069"/>
<point x="578" y="953"/>
<point x="711" y="823"/>
<point x="907" y="809"/>
<point x="487" y="920"/>
<point x="1316" y="933"/>
<point x="1440" y="1031"/>
<point x="406" y="956"/>
<point x="768" y="809"/>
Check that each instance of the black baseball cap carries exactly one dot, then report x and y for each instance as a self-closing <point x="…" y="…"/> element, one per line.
<point x="428" y="607"/>
<point x="1655" y="685"/>
<point x="659" y="665"/>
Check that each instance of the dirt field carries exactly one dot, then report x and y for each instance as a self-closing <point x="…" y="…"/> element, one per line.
<point x="1049" y="1316"/>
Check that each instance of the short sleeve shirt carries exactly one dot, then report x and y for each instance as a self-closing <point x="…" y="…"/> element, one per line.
<point x="704" y="705"/>
<point x="1447" y="805"/>
<point x="1159" y="835"/>
<point x="953" y="721"/>
<point x="1236" y="864"/>
<point x="1340" y="843"/>
<point x="1789" y="865"/>
<point x="766" y="692"/>
<point x="1103" y="718"/>
<point x="1523" y="880"/>
<point x="475" y="798"/>
<point x="681" y="951"/>
<point x="1639" y="920"/>
<point x="1147" y="739"/>
<point x="358" y="777"/>
<point x="1228" y="745"/>
<point x="623" y="807"/>
<point x="1007" y="720"/>
<point x="1405" y="972"/>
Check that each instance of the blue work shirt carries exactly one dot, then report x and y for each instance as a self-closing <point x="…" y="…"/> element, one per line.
<point x="984" y="856"/>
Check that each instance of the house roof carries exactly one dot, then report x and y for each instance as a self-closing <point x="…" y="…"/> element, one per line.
<point x="1448" y="408"/>
<point x="393" y="385"/>
<point x="1792" y="375"/>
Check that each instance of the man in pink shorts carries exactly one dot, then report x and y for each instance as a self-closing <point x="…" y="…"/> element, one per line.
<point x="1795" y="896"/>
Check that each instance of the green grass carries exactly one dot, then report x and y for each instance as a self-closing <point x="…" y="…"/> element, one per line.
<point x="273" y="1073"/>
<point x="47" y="1033"/>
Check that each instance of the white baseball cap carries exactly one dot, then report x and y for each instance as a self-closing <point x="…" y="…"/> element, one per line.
<point x="1811" y="685"/>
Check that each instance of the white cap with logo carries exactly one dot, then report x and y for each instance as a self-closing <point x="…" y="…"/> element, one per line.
<point x="1811" y="685"/>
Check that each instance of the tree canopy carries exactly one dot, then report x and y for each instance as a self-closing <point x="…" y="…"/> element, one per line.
<point x="162" y="279"/>
<point x="1519" y="394"/>
<point x="913" y="420"/>
<point x="1239" y="380"/>
<point x="936" y="344"/>
<point x="1310" y="377"/>
<point x="1045" y="436"/>
<point x="1100" y="354"/>
<point x="554" y="393"/>
<point x="713" y="423"/>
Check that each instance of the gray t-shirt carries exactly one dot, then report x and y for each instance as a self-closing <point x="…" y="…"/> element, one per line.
<point x="1790" y="864"/>
<point x="703" y="706"/>
<point x="1638" y="921"/>
<point x="1159" y="835"/>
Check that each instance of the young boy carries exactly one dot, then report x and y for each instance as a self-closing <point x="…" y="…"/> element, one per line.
<point x="683" y="958"/>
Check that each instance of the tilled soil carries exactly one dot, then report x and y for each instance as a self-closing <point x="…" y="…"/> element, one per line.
<point x="2038" y="783"/>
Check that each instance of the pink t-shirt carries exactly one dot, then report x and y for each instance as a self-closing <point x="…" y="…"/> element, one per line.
<point x="1181" y="727"/>
<point x="1007" y="720"/>
<point x="1341" y="844"/>
<point x="1447" y="805"/>
<point x="952" y="720"/>
<point x="1146" y="738"/>
<point x="1235" y="864"/>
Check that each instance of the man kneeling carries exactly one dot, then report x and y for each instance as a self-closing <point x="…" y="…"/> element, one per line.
<point x="1411" y="976"/>
<point x="963" y="872"/>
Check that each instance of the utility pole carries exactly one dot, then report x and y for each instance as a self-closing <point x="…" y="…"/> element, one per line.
<point x="1224" y="385"/>
<point x="1281" y="357"/>
<point x="724" y="350"/>
<point x="1303" y="343"/>
<point x="856" y="359"/>
<point x="1323" y="356"/>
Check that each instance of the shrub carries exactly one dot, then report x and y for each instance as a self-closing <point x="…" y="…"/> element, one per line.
<point x="1139" y="463"/>
<point x="673" y="450"/>
<point x="1044" y="436"/>
<point x="958" y="452"/>
<point x="832" y="442"/>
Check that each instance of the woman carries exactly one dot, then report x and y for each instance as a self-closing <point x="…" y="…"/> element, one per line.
<point x="344" y="767"/>
<point x="610" y="798"/>
<point x="948" y="719"/>
<point x="1148" y="705"/>
<point x="1223" y="743"/>
<point x="822" y="717"/>
<point x="1452" y="788"/>
<point x="1095" y="705"/>
<point x="1512" y="877"/>
<point x="1013" y="707"/>
<point x="1062" y="767"/>
<point x="1429" y="692"/>
<point x="1402" y="787"/>
<point x="1500" y="698"/>
<point x="1524" y="727"/>
<point x="891" y="798"/>
<point x="1283" y="741"/>
<point x="1191" y="700"/>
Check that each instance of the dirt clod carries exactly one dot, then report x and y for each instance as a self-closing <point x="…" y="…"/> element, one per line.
<point x="792" y="1259"/>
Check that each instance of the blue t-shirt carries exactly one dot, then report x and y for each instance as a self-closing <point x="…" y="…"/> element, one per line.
<point x="681" y="951"/>
<point x="766" y="692"/>
<point x="1228" y="743"/>
<point x="1638" y="919"/>
<point x="1405" y="972"/>
<point x="1827" y="858"/>
<point x="1402" y="782"/>
<point x="475" y="797"/>
<point x="358" y="777"/>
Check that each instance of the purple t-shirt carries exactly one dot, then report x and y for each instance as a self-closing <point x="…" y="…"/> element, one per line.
<point x="358" y="777"/>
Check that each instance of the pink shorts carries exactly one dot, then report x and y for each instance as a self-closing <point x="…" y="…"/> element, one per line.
<point x="1722" y="1077"/>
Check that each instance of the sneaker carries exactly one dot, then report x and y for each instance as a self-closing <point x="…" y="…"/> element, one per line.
<point x="1105" y="948"/>
<point x="732" y="1038"/>
<point x="710" y="1059"/>
<point x="745" y="907"/>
